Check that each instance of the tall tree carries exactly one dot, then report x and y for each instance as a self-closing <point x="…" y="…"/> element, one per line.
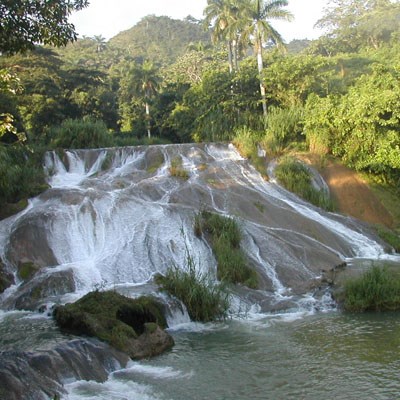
<point x="24" y="23"/>
<point x="137" y="87"/>
<point x="147" y="84"/>
<point x="261" y="31"/>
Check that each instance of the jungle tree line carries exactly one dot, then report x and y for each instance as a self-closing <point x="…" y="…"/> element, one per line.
<point x="339" y="95"/>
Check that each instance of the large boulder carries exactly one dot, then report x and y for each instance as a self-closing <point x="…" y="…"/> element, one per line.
<point x="134" y="326"/>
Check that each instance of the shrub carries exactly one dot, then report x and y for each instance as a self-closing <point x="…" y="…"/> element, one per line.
<point x="21" y="175"/>
<point x="205" y="301"/>
<point x="296" y="177"/>
<point x="80" y="134"/>
<point x="284" y="126"/>
<point x="376" y="290"/>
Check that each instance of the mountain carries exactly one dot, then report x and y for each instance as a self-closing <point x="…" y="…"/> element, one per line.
<point x="160" y="39"/>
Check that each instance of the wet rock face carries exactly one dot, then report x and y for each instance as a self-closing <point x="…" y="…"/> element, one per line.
<point x="46" y="285"/>
<point x="129" y="325"/>
<point x="29" y="243"/>
<point x="39" y="375"/>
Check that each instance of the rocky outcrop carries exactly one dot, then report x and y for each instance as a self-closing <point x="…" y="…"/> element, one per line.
<point x="39" y="375"/>
<point x="45" y="285"/>
<point x="130" y="325"/>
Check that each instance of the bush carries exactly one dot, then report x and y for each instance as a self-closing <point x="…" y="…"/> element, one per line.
<point x="225" y="238"/>
<point x="284" y="126"/>
<point x="205" y="301"/>
<point x="80" y="134"/>
<point x="376" y="290"/>
<point x="296" y="177"/>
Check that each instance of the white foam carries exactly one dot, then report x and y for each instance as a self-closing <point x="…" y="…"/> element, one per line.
<point x="112" y="389"/>
<point x="152" y="371"/>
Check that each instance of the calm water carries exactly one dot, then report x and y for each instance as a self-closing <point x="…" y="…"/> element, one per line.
<point x="323" y="356"/>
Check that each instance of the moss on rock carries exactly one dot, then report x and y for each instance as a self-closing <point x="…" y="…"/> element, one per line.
<point x="119" y="321"/>
<point x="27" y="270"/>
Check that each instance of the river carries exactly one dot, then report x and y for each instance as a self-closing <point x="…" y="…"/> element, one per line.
<point x="321" y="356"/>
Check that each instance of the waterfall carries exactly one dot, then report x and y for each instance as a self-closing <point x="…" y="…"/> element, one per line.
<point x="117" y="217"/>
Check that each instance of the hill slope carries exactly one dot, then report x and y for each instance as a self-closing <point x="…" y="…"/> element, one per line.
<point x="160" y="39"/>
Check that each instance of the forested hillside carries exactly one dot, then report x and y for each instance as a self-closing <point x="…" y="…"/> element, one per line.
<point x="229" y="77"/>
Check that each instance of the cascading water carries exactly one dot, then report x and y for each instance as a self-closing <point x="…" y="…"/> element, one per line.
<point x="115" y="217"/>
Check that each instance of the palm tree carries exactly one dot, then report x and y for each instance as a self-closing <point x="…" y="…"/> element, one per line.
<point x="223" y="16"/>
<point x="100" y="43"/>
<point x="146" y="84"/>
<point x="260" y="31"/>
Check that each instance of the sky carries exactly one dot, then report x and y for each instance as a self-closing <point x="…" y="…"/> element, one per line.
<point x="107" y="18"/>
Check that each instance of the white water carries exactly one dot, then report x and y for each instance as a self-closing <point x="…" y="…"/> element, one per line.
<point x="114" y="222"/>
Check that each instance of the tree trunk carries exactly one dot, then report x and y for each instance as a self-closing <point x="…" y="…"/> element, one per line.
<point x="230" y="56"/>
<point x="260" y="70"/>
<point x="148" y="119"/>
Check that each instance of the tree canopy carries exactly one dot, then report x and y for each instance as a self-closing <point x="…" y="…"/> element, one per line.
<point x="24" y="23"/>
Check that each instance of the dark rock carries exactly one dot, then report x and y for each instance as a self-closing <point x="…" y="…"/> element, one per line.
<point x="29" y="242"/>
<point x="130" y="325"/>
<point x="41" y="288"/>
<point x="39" y="375"/>
<point x="6" y="278"/>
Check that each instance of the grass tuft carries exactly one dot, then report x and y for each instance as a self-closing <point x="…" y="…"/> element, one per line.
<point x="296" y="177"/>
<point x="376" y="290"/>
<point x="225" y="236"/>
<point x="176" y="169"/>
<point x="205" y="301"/>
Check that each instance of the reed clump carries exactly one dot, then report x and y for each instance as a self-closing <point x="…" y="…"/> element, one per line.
<point x="176" y="169"/>
<point x="205" y="300"/>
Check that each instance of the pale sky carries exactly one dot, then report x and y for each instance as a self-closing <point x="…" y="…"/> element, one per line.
<point x="107" y="18"/>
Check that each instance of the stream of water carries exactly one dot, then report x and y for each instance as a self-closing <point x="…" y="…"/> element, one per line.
<point x="114" y="218"/>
